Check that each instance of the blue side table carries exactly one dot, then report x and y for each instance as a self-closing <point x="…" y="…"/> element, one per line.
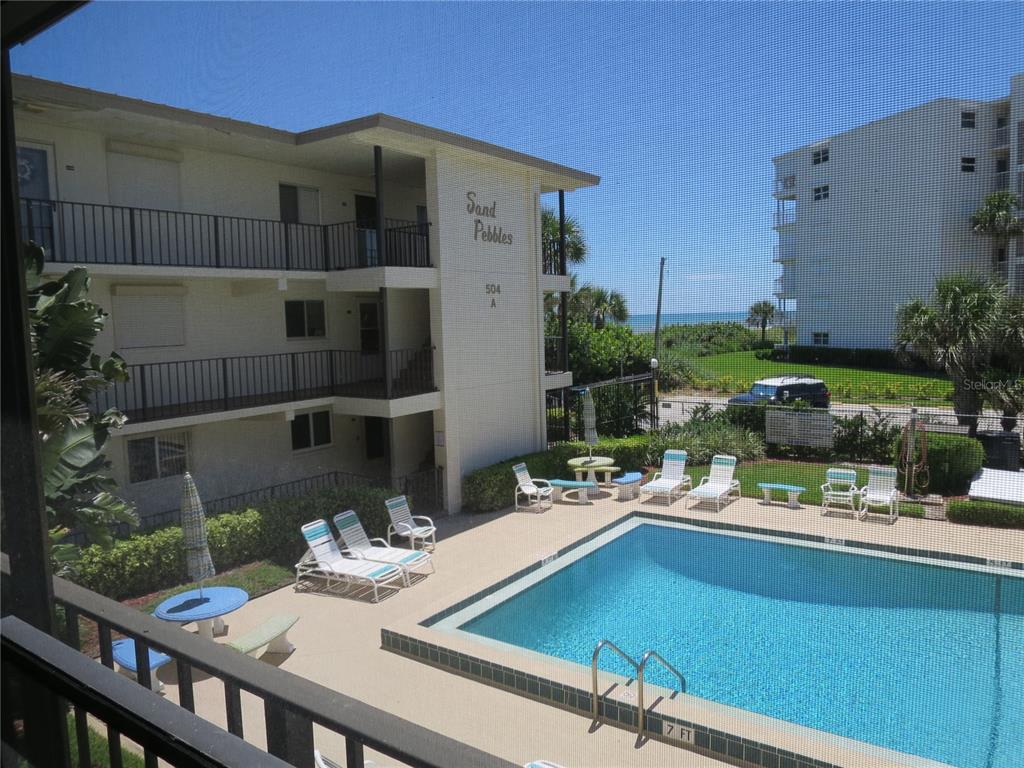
<point x="204" y="607"/>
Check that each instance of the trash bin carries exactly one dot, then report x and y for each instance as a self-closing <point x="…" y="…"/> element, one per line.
<point x="1002" y="450"/>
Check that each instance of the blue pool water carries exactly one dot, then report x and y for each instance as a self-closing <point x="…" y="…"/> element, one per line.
<point x="918" y="658"/>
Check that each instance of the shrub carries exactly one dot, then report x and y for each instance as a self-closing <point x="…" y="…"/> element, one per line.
<point x="855" y="438"/>
<point x="989" y="513"/>
<point x="952" y="461"/>
<point x="883" y="359"/>
<point x="751" y="417"/>
<point x="152" y="561"/>
<point x="703" y="439"/>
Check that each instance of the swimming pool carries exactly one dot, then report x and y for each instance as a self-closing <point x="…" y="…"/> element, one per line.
<point x="919" y="658"/>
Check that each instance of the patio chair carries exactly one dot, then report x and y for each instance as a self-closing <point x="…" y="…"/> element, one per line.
<point x="324" y="561"/>
<point x="403" y="523"/>
<point x="840" y="489"/>
<point x="358" y="544"/>
<point x="880" y="492"/>
<point x="537" y="492"/>
<point x="717" y="485"/>
<point x="671" y="480"/>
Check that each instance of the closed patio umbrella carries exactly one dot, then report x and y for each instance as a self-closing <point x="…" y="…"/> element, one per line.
<point x="193" y="527"/>
<point x="589" y="421"/>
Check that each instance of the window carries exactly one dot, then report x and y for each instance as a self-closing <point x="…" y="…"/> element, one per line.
<point x="820" y="339"/>
<point x="821" y="193"/>
<point x="311" y="430"/>
<point x="150" y="458"/>
<point x="819" y="156"/>
<point x="968" y="119"/>
<point x="304" y="319"/>
<point x="967" y="164"/>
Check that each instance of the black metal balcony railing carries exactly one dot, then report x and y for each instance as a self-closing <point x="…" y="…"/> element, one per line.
<point x="550" y="258"/>
<point x="94" y="233"/>
<point x="555" y="355"/>
<point x="192" y="387"/>
<point x="36" y="664"/>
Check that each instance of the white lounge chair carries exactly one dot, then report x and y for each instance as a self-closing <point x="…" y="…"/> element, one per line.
<point x="840" y="489"/>
<point x="403" y="523"/>
<point x="537" y="492"/>
<point x="880" y="492"/>
<point x="717" y="485"/>
<point x="672" y="479"/>
<point x="359" y="545"/>
<point x="325" y="561"/>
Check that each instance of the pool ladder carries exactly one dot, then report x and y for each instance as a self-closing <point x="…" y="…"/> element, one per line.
<point x="639" y="668"/>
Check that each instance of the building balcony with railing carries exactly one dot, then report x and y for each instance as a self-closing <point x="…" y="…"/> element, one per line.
<point x="782" y="287"/>
<point x="1000" y="137"/>
<point x="100" y="234"/>
<point x="182" y="388"/>
<point x="784" y="186"/>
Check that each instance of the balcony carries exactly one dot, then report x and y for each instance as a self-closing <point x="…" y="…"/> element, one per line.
<point x="782" y="255"/>
<point x="1001" y="181"/>
<point x="784" y="217"/>
<point x="784" y="186"/>
<point x="551" y="258"/>
<point x="41" y="672"/>
<point x="1000" y="137"/>
<point x="783" y="287"/>
<point x="195" y="387"/>
<point x="93" y="233"/>
<point x="555" y="360"/>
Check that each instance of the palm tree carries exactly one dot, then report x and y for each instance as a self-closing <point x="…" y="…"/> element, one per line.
<point x="999" y="217"/>
<point x="606" y="305"/>
<point x="575" y="244"/>
<point x="957" y="332"/>
<point x="761" y="313"/>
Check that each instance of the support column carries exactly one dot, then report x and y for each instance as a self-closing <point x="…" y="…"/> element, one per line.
<point x="385" y="345"/>
<point x="25" y="521"/>
<point x="564" y="298"/>
<point x="378" y="188"/>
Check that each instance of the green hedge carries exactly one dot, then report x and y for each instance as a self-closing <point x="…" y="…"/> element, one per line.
<point x="149" y="562"/>
<point x="884" y="359"/>
<point x="985" y="513"/>
<point x="953" y="461"/>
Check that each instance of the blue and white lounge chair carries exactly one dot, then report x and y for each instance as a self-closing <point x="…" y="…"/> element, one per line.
<point x="403" y="523"/>
<point x="717" y="485"/>
<point x="324" y="561"/>
<point x="672" y="479"/>
<point x="358" y="544"/>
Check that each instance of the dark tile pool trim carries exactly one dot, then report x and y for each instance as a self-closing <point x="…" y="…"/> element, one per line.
<point x="718" y="744"/>
<point x="709" y="741"/>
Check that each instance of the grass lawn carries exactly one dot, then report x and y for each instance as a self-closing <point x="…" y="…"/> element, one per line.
<point x="255" y="578"/>
<point x="810" y="475"/>
<point x="99" y="750"/>
<point x="743" y="368"/>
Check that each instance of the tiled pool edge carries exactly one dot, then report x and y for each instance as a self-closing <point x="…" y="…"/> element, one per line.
<point x="708" y="741"/>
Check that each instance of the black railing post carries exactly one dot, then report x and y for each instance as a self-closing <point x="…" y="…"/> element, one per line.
<point x="326" y="241"/>
<point x="289" y="735"/>
<point x="566" y="426"/>
<point x="378" y="188"/>
<point x="131" y="235"/>
<point x="142" y="390"/>
<point x="224" y="381"/>
<point x="294" y="374"/>
<point x="216" y="241"/>
<point x="353" y="753"/>
<point x="287" y="248"/>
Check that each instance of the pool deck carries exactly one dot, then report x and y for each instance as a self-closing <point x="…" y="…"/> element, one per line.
<point x="338" y="641"/>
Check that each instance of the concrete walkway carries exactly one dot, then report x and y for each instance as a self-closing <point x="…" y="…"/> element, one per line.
<point x="338" y="640"/>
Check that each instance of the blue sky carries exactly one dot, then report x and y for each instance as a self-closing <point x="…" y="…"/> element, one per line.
<point x="679" y="108"/>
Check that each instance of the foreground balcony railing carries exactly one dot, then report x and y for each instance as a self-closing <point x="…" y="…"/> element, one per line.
<point x="37" y="665"/>
<point x="93" y="233"/>
<point x="551" y="260"/>
<point x="193" y="387"/>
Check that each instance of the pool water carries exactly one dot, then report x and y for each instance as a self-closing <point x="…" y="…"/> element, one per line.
<point x="918" y="658"/>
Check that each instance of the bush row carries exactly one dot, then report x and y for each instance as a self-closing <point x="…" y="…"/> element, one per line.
<point x="491" y="488"/>
<point x="149" y="562"/>
<point x="884" y="359"/>
<point x="985" y="513"/>
<point x="866" y="391"/>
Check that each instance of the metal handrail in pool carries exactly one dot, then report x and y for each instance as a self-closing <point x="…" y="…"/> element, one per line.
<point x="640" y="684"/>
<point x="593" y="667"/>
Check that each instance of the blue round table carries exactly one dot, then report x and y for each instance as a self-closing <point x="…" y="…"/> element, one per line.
<point x="205" y="607"/>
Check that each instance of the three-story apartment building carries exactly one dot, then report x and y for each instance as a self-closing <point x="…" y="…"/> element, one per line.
<point x="362" y="298"/>
<point x="871" y="217"/>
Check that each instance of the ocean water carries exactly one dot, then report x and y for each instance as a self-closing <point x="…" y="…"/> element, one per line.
<point x="922" y="659"/>
<point x="646" y="322"/>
